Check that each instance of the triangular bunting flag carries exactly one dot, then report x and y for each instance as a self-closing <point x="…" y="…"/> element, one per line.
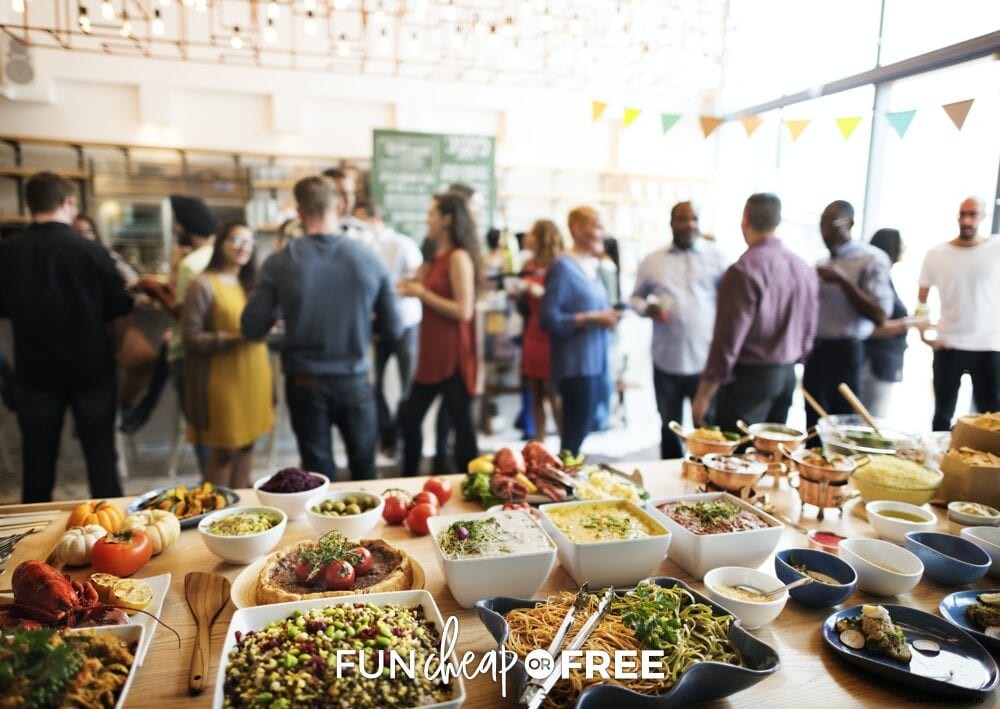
<point x="631" y="114"/>
<point x="750" y="124"/>
<point x="709" y="124"/>
<point x="958" y="111"/>
<point x="847" y="125"/>
<point x="796" y="127"/>
<point x="668" y="120"/>
<point x="900" y="120"/>
<point x="597" y="108"/>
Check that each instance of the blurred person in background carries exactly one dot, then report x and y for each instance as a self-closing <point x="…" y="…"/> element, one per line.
<point x="228" y="394"/>
<point x="289" y="229"/>
<point x="447" y="362"/>
<point x="576" y="314"/>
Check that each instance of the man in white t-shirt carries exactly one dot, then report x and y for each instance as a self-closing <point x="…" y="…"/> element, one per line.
<point x="966" y="272"/>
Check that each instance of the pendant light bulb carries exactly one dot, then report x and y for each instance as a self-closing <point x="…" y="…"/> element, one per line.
<point x="126" y="28"/>
<point x="273" y="10"/>
<point x="157" y="23"/>
<point x="84" y="20"/>
<point x="107" y="10"/>
<point x="236" y="41"/>
<point x="270" y="33"/>
<point x="343" y="48"/>
<point x="310" y="23"/>
<point x="17" y="6"/>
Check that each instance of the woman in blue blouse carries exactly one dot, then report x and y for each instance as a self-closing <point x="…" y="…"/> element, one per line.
<point x="576" y="314"/>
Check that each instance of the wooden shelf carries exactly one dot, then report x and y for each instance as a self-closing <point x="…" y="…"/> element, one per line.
<point x="272" y="184"/>
<point x="29" y="171"/>
<point x="15" y="219"/>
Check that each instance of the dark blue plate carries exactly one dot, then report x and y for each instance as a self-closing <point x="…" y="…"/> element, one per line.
<point x="962" y="668"/>
<point x="137" y="504"/>
<point x="953" y="607"/>
<point x="702" y="682"/>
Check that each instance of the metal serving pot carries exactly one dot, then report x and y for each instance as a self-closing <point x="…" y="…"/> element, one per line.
<point x="822" y="493"/>
<point x="734" y="473"/>
<point x="845" y="465"/>
<point x="768" y="436"/>
<point x="699" y="447"/>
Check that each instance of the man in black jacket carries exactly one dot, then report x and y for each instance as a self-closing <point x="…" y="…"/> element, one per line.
<point x="64" y="297"/>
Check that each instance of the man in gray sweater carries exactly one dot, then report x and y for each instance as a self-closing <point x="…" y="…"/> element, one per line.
<point x="327" y="288"/>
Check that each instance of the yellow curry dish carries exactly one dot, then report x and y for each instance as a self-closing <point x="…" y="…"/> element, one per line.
<point x="603" y="522"/>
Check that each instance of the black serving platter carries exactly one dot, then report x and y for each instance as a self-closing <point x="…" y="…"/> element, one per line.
<point x="137" y="504"/>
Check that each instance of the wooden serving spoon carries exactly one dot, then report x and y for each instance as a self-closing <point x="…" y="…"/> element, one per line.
<point x="206" y="596"/>
<point x="856" y="404"/>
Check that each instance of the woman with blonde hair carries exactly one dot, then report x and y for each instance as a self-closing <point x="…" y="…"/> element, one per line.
<point x="227" y="379"/>
<point x="545" y="243"/>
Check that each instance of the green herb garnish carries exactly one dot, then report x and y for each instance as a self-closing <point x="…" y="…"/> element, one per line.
<point x="480" y="537"/>
<point x="710" y="512"/>
<point x="332" y="547"/>
<point x="608" y="523"/>
<point x="649" y="612"/>
<point x="43" y="663"/>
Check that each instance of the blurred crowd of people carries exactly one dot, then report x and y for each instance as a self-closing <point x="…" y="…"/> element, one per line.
<point x="341" y="284"/>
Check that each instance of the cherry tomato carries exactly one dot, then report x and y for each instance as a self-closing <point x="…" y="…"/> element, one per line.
<point x="362" y="560"/>
<point x="121" y="553"/>
<point x="339" y="575"/>
<point x="396" y="506"/>
<point x="416" y="519"/>
<point x="428" y="498"/>
<point x="304" y="574"/>
<point x="440" y="488"/>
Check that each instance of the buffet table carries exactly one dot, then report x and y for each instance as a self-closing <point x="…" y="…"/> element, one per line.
<point x="809" y="671"/>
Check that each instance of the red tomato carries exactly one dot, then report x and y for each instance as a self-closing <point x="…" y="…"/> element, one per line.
<point x="428" y="498"/>
<point x="121" y="553"/>
<point x="440" y="488"/>
<point x="339" y="575"/>
<point x="304" y="574"/>
<point x="396" y="507"/>
<point x="362" y="560"/>
<point x="416" y="519"/>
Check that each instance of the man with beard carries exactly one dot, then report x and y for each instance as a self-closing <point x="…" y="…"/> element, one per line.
<point x="966" y="273"/>
<point x="676" y="288"/>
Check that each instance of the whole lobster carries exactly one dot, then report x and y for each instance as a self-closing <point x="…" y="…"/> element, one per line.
<point x="43" y="596"/>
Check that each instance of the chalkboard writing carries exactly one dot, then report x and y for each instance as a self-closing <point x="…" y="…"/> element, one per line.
<point x="408" y="168"/>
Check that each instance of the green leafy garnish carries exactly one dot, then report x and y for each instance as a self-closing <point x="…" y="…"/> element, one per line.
<point x="710" y="512"/>
<point x="649" y="611"/>
<point x="476" y="487"/>
<point x="40" y="661"/>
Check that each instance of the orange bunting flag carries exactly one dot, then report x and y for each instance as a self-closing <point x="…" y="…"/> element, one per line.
<point x="958" y="112"/>
<point x="796" y="127"/>
<point x="750" y="124"/>
<point x="847" y="125"/>
<point x="709" y="124"/>
<point x="631" y="114"/>
<point x="597" y="108"/>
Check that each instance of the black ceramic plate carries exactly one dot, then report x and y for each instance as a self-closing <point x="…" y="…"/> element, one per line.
<point x="137" y="504"/>
<point x="702" y="682"/>
<point x="962" y="668"/>
<point x="953" y="607"/>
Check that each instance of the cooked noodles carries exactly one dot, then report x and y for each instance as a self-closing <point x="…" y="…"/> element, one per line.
<point x="687" y="632"/>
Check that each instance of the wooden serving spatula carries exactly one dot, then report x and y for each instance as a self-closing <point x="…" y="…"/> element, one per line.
<point x="206" y="596"/>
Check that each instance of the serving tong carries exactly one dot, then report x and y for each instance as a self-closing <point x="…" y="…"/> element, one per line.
<point x="7" y="543"/>
<point x="537" y="689"/>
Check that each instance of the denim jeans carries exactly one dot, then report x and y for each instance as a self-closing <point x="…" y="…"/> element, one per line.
<point x="40" y="415"/>
<point x="315" y="403"/>
<point x="580" y="399"/>
<point x="458" y="404"/>
<point x="671" y="391"/>
<point x="405" y="351"/>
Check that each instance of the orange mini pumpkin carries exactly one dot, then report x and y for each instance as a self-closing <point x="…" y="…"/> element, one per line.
<point x="103" y="513"/>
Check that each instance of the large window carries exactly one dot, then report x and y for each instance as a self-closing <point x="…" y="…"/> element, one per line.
<point x="913" y="27"/>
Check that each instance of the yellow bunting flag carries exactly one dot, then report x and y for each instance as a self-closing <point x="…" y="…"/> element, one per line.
<point x="709" y="124"/>
<point x="847" y="125"/>
<point x="597" y="108"/>
<point x="958" y="112"/>
<point x="750" y="124"/>
<point x="631" y="114"/>
<point x="796" y="127"/>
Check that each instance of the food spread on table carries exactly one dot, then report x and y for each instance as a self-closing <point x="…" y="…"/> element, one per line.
<point x="601" y="522"/>
<point x="506" y="532"/>
<point x="712" y="517"/>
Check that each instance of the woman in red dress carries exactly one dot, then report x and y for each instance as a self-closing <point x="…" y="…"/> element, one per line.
<point x="446" y="363"/>
<point x="545" y="243"/>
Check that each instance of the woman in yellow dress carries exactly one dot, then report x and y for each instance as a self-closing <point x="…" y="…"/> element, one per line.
<point x="228" y="395"/>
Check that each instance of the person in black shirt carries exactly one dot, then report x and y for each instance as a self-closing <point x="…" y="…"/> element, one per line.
<point x="64" y="298"/>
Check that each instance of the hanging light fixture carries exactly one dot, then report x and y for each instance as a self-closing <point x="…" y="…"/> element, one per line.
<point x="383" y="41"/>
<point x="17" y="6"/>
<point x="413" y="46"/>
<point x="126" y="28"/>
<point x="343" y="48"/>
<point x="270" y="33"/>
<point x="310" y="23"/>
<point x="273" y="10"/>
<point x="236" y="41"/>
<point x="508" y="27"/>
<point x="379" y="16"/>
<point x="107" y="10"/>
<point x="547" y="21"/>
<point x="450" y="11"/>
<point x="492" y="40"/>
<point x="158" y="27"/>
<point x="309" y="5"/>
<point x="84" y="19"/>
<point x="458" y="39"/>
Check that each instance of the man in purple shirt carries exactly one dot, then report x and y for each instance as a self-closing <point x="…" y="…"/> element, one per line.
<point x="765" y="323"/>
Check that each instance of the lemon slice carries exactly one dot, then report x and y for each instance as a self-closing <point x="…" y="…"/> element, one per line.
<point x="131" y="594"/>
<point x="103" y="584"/>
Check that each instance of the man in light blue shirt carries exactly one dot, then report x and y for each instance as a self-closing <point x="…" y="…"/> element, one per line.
<point x="855" y="295"/>
<point x="676" y="288"/>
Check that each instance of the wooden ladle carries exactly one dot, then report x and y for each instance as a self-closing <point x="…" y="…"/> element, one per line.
<point x="856" y="404"/>
<point x="206" y="596"/>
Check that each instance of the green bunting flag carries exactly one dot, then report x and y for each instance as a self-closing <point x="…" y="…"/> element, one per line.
<point x="900" y="120"/>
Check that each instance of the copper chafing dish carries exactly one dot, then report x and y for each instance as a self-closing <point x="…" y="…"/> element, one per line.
<point x="699" y="447"/>
<point x="767" y="437"/>
<point x="735" y="473"/>
<point x="693" y="469"/>
<point x="823" y="494"/>
<point x="838" y="468"/>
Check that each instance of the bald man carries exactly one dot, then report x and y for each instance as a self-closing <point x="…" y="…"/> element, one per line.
<point x="966" y="273"/>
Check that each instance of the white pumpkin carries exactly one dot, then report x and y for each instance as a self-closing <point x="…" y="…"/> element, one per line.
<point x="76" y="543"/>
<point x="162" y="527"/>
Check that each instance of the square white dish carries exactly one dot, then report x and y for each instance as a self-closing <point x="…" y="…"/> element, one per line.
<point x="130" y="634"/>
<point x="256" y="618"/>
<point x="160" y="585"/>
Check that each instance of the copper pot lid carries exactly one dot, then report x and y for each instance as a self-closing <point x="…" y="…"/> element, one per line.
<point x="733" y="464"/>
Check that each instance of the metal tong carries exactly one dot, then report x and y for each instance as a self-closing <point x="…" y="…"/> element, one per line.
<point x="635" y="477"/>
<point x="537" y="689"/>
<point x="7" y="543"/>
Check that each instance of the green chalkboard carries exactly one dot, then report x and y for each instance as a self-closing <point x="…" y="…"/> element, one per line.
<point x="408" y="168"/>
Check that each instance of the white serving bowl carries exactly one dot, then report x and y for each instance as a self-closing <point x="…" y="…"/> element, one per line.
<point x="292" y="504"/>
<point x="621" y="562"/>
<point x="246" y="547"/>
<point x="751" y="613"/>
<point x="518" y="575"/>
<point x="956" y="515"/>
<point x="697" y="553"/>
<point x="353" y="527"/>
<point x="893" y="528"/>
<point x="988" y="539"/>
<point x="883" y="568"/>
<point x="132" y="634"/>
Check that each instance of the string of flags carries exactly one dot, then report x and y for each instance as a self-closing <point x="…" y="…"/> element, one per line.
<point x="899" y="120"/>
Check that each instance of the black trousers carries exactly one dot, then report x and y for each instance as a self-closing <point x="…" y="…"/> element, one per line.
<point x="758" y="394"/>
<point x="405" y="351"/>
<point x="671" y="391"/>
<point x="457" y="401"/>
<point x="580" y="399"/>
<point x="949" y="366"/>
<point x="830" y="363"/>
<point x="40" y="415"/>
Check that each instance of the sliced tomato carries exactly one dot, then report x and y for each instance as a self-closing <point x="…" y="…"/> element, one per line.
<point x="416" y="519"/>
<point x="339" y="575"/>
<point x="440" y="488"/>
<point x="121" y="553"/>
<point x="362" y="560"/>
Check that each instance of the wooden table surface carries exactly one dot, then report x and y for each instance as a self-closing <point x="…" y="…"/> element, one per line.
<point x="809" y="671"/>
